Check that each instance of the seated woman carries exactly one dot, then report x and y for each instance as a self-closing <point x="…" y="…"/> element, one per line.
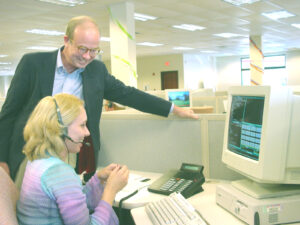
<point x="52" y="193"/>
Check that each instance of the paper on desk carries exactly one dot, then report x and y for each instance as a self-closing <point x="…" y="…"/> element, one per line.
<point x="134" y="183"/>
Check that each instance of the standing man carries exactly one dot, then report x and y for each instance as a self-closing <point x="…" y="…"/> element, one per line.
<point x="70" y="69"/>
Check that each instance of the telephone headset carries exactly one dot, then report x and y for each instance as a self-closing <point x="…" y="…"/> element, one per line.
<point x="65" y="128"/>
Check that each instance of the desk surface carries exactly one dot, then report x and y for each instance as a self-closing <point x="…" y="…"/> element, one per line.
<point x="204" y="202"/>
<point x="143" y="196"/>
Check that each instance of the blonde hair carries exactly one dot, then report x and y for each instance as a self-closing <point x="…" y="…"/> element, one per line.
<point x="76" y="21"/>
<point x="43" y="132"/>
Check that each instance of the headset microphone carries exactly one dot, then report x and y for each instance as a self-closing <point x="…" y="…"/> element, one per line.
<point x="87" y="144"/>
<point x="77" y="142"/>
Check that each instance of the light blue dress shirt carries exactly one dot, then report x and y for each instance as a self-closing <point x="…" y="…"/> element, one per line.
<point x="65" y="82"/>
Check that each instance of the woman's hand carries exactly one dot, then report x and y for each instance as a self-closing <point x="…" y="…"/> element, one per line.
<point x="117" y="179"/>
<point x="104" y="173"/>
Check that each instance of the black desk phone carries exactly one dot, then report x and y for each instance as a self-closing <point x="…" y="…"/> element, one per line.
<point x="188" y="181"/>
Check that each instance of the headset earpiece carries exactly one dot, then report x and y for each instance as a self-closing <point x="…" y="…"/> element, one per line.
<point x="60" y="121"/>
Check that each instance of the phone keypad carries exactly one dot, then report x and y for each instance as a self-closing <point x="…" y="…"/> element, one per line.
<point x="176" y="184"/>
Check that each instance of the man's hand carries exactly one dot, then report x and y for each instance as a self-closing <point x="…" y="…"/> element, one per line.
<point x="184" y="112"/>
<point x="5" y="167"/>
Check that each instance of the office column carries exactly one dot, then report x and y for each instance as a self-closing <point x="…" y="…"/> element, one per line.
<point x="122" y="42"/>
<point x="256" y="60"/>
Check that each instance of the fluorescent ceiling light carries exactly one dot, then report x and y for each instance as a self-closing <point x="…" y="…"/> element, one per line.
<point x="149" y="44"/>
<point x="5" y="68"/>
<point x="227" y="35"/>
<point x="182" y="48"/>
<point x="143" y="17"/>
<point x="45" y="32"/>
<point x="297" y="25"/>
<point x="6" y="72"/>
<point x="240" y="2"/>
<point x="245" y="41"/>
<point x="275" y="15"/>
<point x="227" y="54"/>
<point x="208" y="51"/>
<point x="41" y="48"/>
<point x="273" y="45"/>
<point x="105" y="39"/>
<point x="3" y="56"/>
<point x="5" y="63"/>
<point x="189" y="27"/>
<point x="70" y="3"/>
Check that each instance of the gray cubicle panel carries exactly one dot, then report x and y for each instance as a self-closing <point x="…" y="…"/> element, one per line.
<point x="149" y="143"/>
<point x="217" y="169"/>
<point x="156" y="144"/>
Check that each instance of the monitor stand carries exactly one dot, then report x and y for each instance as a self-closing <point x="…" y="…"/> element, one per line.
<point x="261" y="191"/>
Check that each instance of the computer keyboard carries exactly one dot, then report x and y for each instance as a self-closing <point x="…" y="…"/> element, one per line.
<point x="173" y="210"/>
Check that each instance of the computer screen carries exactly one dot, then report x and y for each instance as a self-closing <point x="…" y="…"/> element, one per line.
<point x="245" y="125"/>
<point x="261" y="136"/>
<point x="179" y="97"/>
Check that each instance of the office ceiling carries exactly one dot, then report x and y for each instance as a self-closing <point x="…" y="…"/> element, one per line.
<point x="216" y="15"/>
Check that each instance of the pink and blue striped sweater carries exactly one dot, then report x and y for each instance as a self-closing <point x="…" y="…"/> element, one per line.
<point x="52" y="193"/>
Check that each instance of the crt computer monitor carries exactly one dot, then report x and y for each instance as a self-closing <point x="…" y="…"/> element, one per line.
<point x="262" y="139"/>
<point x="179" y="97"/>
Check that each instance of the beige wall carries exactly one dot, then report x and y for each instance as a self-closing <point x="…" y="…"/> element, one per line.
<point x="150" y="67"/>
<point x="228" y="72"/>
<point x="293" y="67"/>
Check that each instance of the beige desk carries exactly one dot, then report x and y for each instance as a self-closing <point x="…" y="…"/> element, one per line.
<point x="204" y="202"/>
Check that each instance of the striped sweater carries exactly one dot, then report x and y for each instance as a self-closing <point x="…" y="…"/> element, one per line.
<point x="52" y="193"/>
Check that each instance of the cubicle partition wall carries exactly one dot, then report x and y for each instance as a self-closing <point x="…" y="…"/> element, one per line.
<point x="217" y="102"/>
<point x="201" y="98"/>
<point x="156" y="144"/>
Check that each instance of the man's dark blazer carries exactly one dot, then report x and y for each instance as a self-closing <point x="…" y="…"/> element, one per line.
<point x="33" y="80"/>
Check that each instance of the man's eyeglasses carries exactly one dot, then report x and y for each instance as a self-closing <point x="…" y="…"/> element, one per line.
<point x="92" y="51"/>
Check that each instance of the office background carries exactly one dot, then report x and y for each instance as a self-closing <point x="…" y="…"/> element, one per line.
<point x="215" y="72"/>
<point x="203" y="58"/>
